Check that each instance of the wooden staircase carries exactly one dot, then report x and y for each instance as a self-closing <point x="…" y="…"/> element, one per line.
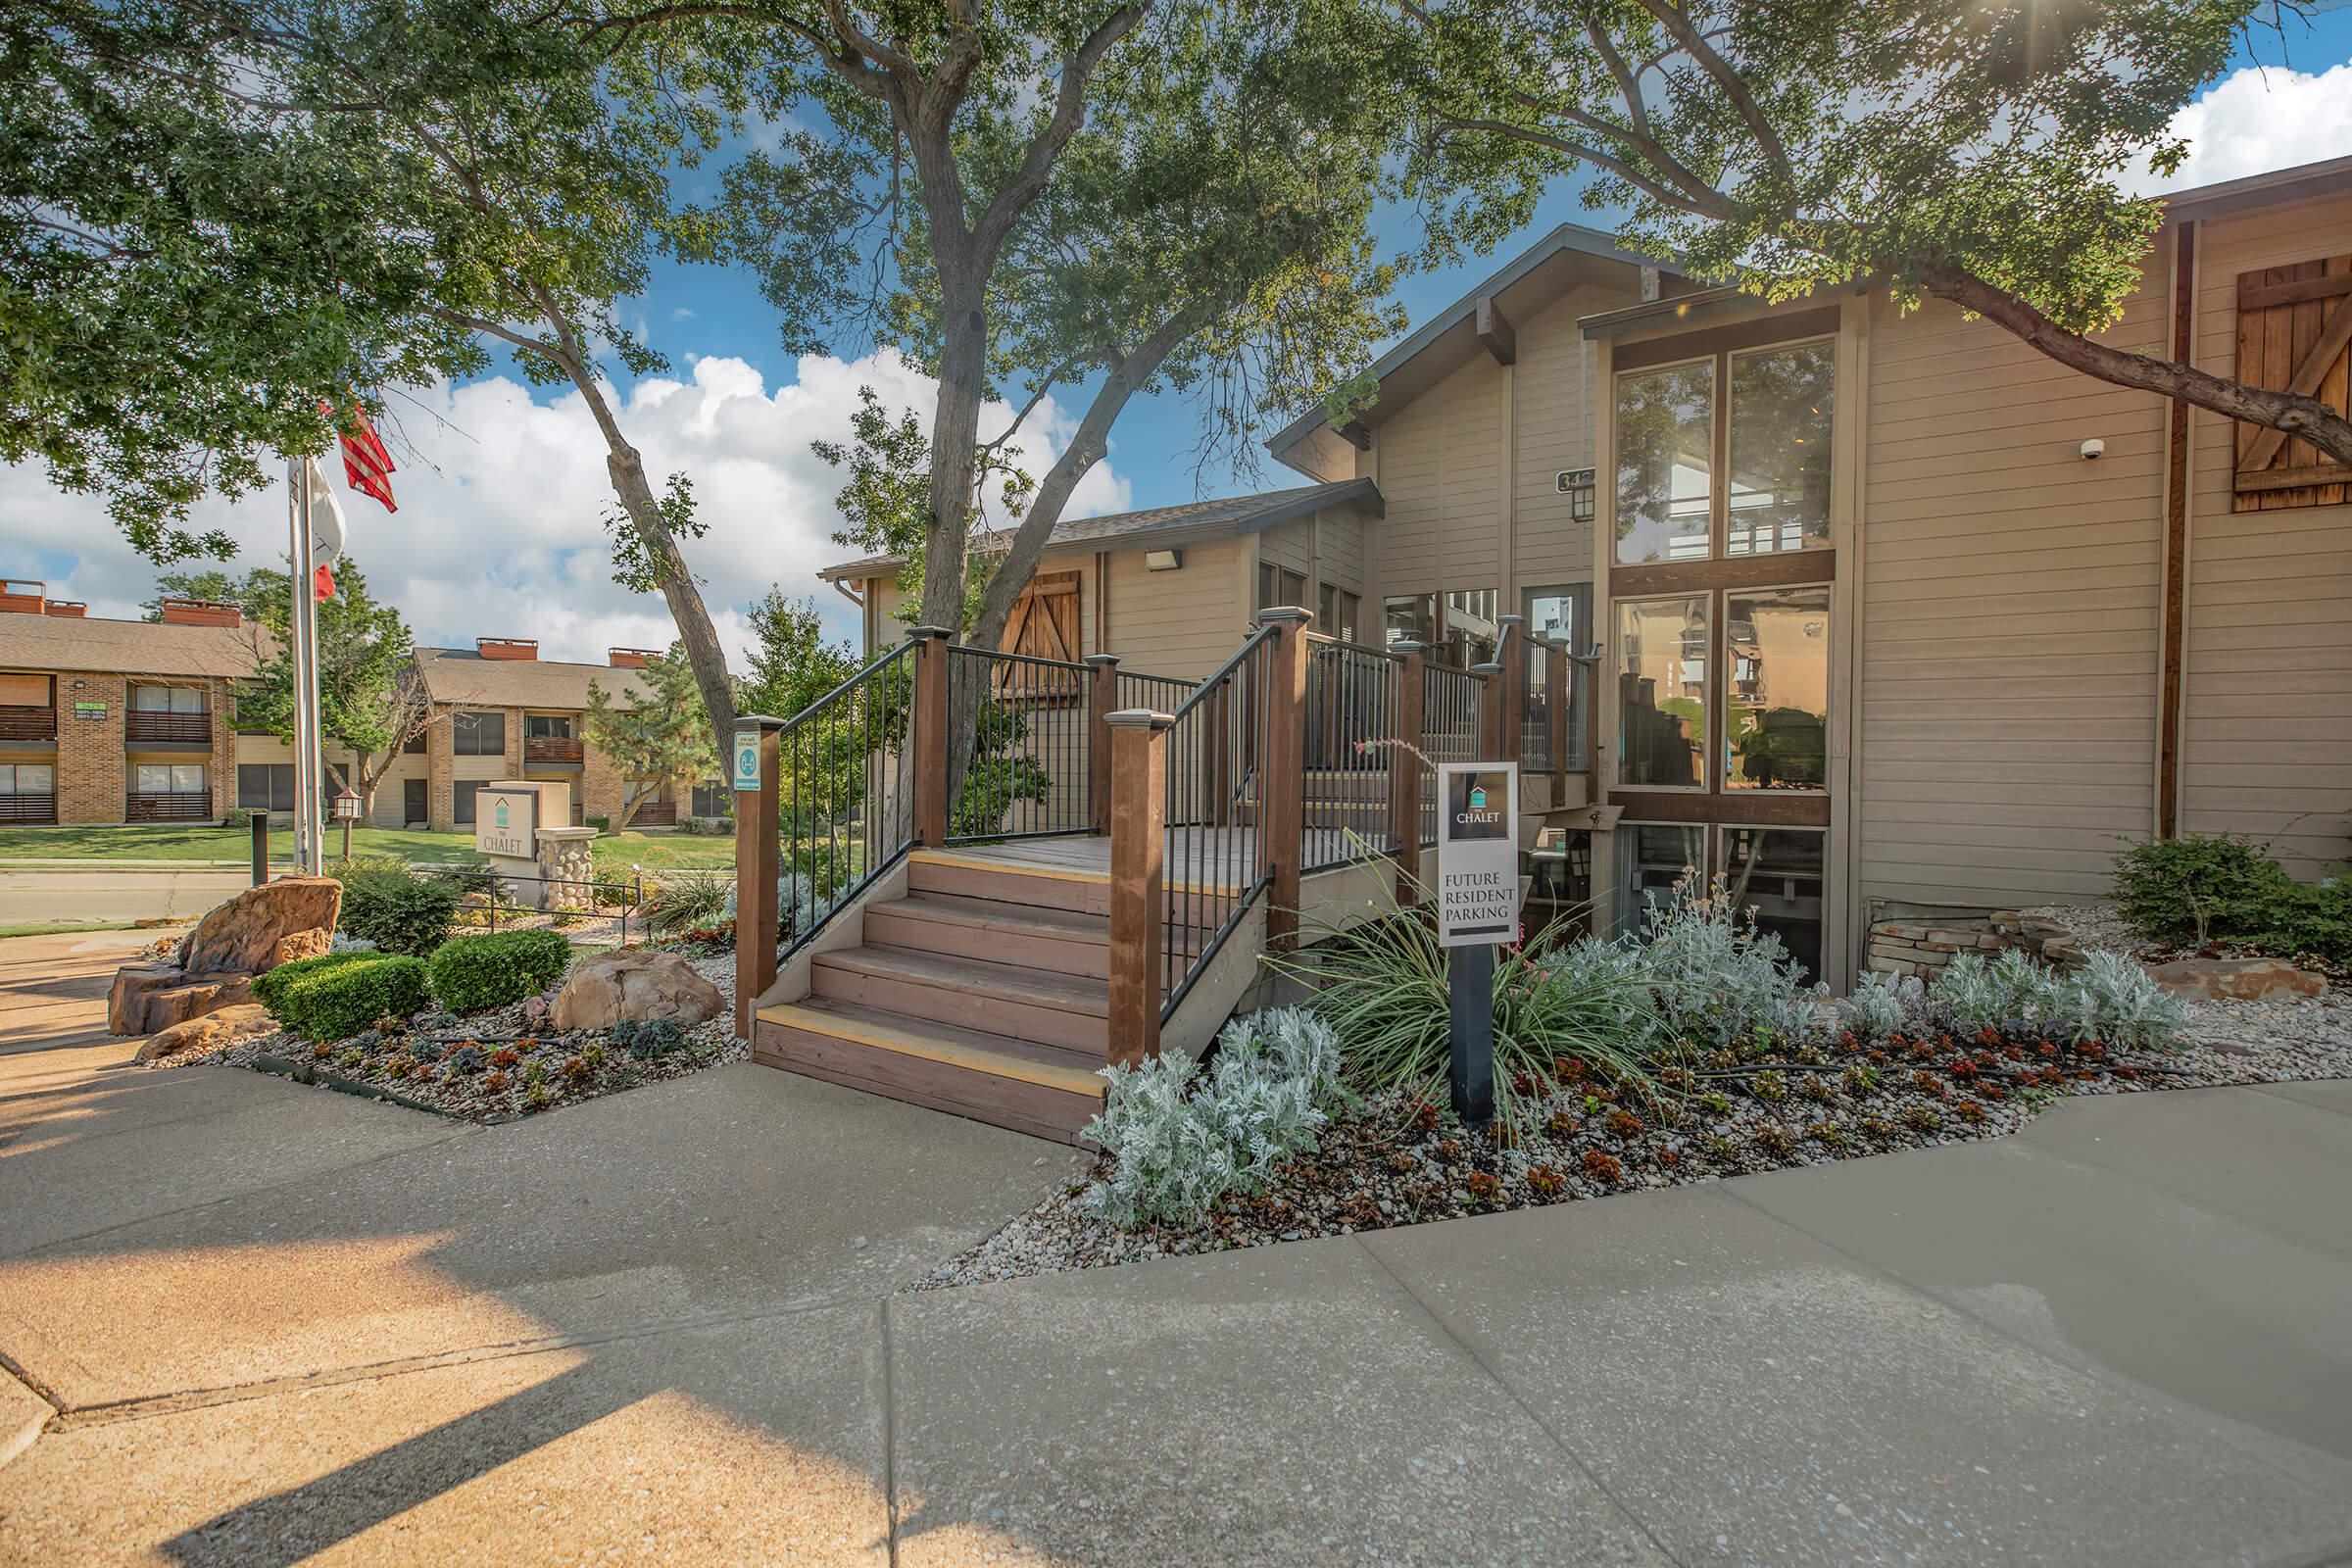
<point x="984" y="992"/>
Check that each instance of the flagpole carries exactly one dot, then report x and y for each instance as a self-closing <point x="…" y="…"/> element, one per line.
<point x="308" y="829"/>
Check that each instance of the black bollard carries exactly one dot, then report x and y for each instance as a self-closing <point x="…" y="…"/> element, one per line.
<point x="1470" y="997"/>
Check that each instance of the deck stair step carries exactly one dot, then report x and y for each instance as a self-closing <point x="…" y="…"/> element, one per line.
<point x="1036" y="1004"/>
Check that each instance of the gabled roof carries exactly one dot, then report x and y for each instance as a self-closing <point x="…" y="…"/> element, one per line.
<point x="461" y="677"/>
<point x="128" y="646"/>
<point x="1166" y="525"/>
<point x="1569" y="255"/>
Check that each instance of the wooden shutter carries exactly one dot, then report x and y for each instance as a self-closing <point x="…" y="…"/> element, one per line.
<point x="2294" y="334"/>
<point x="1044" y="625"/>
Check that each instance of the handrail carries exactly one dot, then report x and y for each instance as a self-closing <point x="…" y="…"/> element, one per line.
<point x="1263" y="634"/>
<point x="1345" y="762"/>
<point x="1030" y="769"/>
<point x="844" y="793"/>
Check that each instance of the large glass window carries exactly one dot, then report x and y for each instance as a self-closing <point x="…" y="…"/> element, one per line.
<point x="1780" y="460"/>
<point x="1410" y="617"/>
<point x="27" y="778"/>
<point x="1562" y="616"/>
<point x="1653" y="859"/>
<point x="1776" y="873"/>
<point x="1661" y="668"/>
<point x="478" y="734"/>
<point x="1279" y="587"/>
<point x="1337" y="613"/>
<point x="546" y="726"/>
<point x="169" y="779"/>
<point x="265" y="786"/>
<point x="167" y="700"/>
<point x="1665" y="463"/>
<point x="1776" y="696"/>
<point x="1471" y="628"/>
<point x="461" y="795"/>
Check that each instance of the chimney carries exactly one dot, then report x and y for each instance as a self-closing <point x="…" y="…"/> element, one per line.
<point x="526" y="649"/>
<point x="71" y="608"/>
<point x="198" y="613"/>
<point x="20" y="596"/>
<point x="630" y="658"/>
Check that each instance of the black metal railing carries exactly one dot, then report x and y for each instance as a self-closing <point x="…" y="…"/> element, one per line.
<point x="1214" y="866"/>
<point x="489" y="895"/>
<point x="1552" y="719"/>
<point x="1449" y="702"/>
<point x="1161" y="693"/>
<point x="845" y="793"/>
<point x="1351" y="709"/>
<point x="21" y="723"/>
<point x="168" y="806"/>
<point x="1025" y="721"/>
<point x="28" y="806"/>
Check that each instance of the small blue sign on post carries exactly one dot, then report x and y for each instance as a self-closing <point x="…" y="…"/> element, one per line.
<point x="747" y="759"/>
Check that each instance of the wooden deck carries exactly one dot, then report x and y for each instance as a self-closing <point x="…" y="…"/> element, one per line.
<point x="1213" y="859"/>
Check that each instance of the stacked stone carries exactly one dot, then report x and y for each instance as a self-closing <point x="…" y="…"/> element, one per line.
<point x="570" y="868"/>
<point x="1906" y="948"/>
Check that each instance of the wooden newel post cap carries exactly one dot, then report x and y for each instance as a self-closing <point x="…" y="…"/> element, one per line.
<point x="1406" y="646"/>
<point x="759" y="721"/>
<point x="1490" y="667"/>
<point x="1101" y="661"/>
<point x="1510" y="620"/>
<point x="1138" y="718"/>
<point x="920" y="633"/>
<point x="1284" y="615"/>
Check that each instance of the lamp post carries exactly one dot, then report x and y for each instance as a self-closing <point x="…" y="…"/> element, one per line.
<point x="347" y="811"/>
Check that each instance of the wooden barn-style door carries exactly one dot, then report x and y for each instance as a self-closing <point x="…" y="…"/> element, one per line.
<point x="2294" y="334"/>
<point x="1044" y="625"/>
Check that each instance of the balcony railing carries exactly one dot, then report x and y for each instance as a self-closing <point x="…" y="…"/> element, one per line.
<point x="27" y="724"/>
<point x="166" y="727"/>
<point x="177" y="805"/>
<point x="552" y="748"/>
<point x="28" y="807"/>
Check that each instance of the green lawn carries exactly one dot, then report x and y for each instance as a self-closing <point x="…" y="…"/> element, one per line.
<point x="615" y="853"/>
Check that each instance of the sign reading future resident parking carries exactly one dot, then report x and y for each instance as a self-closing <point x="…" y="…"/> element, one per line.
<point x="506" y="821"/>
<point x="747" y="759"/>
<point x="1477" y="854"/>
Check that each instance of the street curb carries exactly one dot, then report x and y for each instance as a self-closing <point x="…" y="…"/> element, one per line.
<point x="24" y="1415"/>
<point x="302" y="1072"/>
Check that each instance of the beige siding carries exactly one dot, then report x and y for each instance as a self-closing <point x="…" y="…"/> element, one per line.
<point x="1440" y="473"/>
<point x="1292" y="544"/>
<point x="1554" y="430"/>
<point x="1340" y="558"/>
<point x="2009" y="629"/>
<point x="2266" y="704"/>
<point x="1183" y="622"/>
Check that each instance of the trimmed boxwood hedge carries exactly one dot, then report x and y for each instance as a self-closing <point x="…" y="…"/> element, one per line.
<point x="336" y="995"/>
<point x="469" y="973"/>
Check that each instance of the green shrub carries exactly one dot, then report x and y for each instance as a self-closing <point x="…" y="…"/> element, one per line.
<point x="398" y="910"/>
<point x="689" y="901"/>
<point x="469" y="973"/>
<point x="2202" y="887"/>
<point x="602" y="823"/>
<point x="338" y="995"/>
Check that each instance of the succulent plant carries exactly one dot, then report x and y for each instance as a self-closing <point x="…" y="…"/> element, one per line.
<point x="1544" y="1182"/>
<point x="1768" y="1085"/>
<point x="495" y="1083"/>
<point x="1602" y="1167"/>
<point x="1776" y="1139"/>
<point x="467" y="1058"/>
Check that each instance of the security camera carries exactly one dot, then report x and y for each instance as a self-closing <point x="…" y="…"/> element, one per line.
<point x="2093" y="448"/>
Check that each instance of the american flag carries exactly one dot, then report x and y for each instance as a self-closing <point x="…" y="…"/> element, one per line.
<point x="366" y="465"/>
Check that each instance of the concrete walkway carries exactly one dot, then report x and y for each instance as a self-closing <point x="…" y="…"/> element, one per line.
<point x="60" y="891"/>
<point x="269" y="1325"/>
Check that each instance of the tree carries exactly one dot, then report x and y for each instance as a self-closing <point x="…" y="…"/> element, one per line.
<point x="371" y="702"/>
<point x="213" y="214"/>
<point x="663" y="740"/>
<point x="1970" y="152"/>
<point x="793" y="663"/>
<point x="1107" y="198"/>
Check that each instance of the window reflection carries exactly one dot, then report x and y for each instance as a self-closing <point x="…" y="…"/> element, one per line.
<point x="1665" y="463"/>
<point x="1779" y="439"/>
<point x="1662" y="692"/>
<point x="1776" y="688"/>
<point x="1471" y="627"/>
<point x="1410" y="617"/>
<point x="1561" y="617"/>
<point x="1650" y="860"/>
<point x="1775" y="872"/>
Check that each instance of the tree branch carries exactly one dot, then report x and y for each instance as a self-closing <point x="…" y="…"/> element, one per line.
<point x="1735" y="87"/>
<point x="1069" y="109"/>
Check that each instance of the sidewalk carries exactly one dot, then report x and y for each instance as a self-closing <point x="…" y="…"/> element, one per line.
<point x="283" y="1325"/>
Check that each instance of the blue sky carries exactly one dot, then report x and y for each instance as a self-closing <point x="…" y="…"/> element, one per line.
<point x="504" y="493"/>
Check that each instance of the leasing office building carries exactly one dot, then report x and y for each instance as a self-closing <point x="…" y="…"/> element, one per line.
<point x="1876" y="637"/>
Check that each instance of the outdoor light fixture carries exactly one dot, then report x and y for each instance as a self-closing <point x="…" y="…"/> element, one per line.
<point x="1163" y="559"/>
<point x="347" y="811"/>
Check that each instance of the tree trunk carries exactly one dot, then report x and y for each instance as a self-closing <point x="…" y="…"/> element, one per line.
<point x="700" y="639"/>
<point x="2305" y="419"/>
<point x="954" y="453"/>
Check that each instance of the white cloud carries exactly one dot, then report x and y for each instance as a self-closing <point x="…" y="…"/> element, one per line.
<point x="500" y="530"/>
<point x="2257" y="120"/>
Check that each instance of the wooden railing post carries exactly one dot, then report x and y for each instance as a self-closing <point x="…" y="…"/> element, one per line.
<point x="1101" y="699"/>
<point x="758" y="867"/>
<point x="1282" y="772"/>
<point x="1405" y="768"/>
<point x="1555" y="704"/>
<point x="1139" y="763"/>
<point x="1491" y="710"/>
<point x="929" y="757"/>
<point x="1510" y="652"/>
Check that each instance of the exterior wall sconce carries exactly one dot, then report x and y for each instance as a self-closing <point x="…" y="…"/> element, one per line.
<point x="1577" y="484"/>
<point x="1163" y="560"/>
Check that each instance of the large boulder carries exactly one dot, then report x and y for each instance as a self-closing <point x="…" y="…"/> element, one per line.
<point x="212" y="1031"/>
<point x="628" y="984"/>
<point x="2236" y="979"/>
<point x="260" y="928"/>
<point x="147" y="996"/>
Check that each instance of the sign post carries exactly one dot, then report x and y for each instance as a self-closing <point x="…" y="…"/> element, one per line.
<point x="1477" y="907"/>
<point x="756" y="771"/>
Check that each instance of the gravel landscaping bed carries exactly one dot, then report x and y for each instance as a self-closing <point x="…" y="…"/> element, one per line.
<point x="499" y="1063"/>
<point x="1394" y="1163"/>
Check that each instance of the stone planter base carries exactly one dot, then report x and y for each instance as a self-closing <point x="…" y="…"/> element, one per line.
<point x="1923" y="949"/>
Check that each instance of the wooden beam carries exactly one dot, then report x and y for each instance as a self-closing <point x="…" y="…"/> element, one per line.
<point x="2174" y="633"/>
<point x="1555" y="705"/>
<point x="1137" y="856"/>
<point x="1496" y="332"/>
<point x="2306" y="381"/>
<point x="1356" y="434"/>
<point x="1282" y="774"/>
<point x="929" y="753"/>
<point x="1101" y="700"/>
<point x="1404" y="771"/>
<point x="2261" y="296"/>
<point x="758" y="865"/>
<point x="2293" y="479"/>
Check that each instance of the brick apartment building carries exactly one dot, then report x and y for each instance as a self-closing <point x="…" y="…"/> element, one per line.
<point x="111" y="721"/>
